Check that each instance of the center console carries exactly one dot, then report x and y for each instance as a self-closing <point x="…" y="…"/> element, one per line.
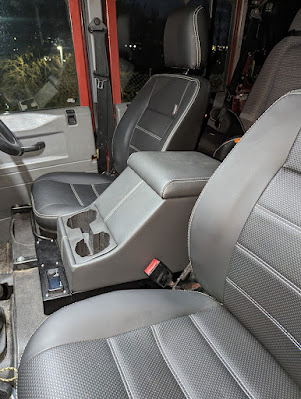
<point x="142" y="215"/>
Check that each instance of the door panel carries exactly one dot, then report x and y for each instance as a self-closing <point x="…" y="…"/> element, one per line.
<point x="68" y="148"/>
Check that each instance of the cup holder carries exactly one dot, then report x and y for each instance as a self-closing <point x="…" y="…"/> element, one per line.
<point x="82" y="249"/>
<point x="82" y="220"/>
<point x="98" y="242"/>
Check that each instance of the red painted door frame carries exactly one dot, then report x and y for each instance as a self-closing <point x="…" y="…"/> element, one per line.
<point x="110" y="18"/>
<point x="80" y="53"/>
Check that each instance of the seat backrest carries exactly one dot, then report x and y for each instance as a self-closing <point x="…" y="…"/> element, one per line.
<point x="168" y="112"/>
<point x="245" y="232"/>
<point x="280" y="74"/>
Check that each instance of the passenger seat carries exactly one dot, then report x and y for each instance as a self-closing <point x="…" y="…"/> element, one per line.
<point x="167" y="114"/>
<point x="280" y="74"/>
<point x="245" y="249"/>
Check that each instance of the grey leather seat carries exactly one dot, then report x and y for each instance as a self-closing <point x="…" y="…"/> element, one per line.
<point x="242" y="342"/>
<point x="280" y="74"/>
<point x="167" y="114"/>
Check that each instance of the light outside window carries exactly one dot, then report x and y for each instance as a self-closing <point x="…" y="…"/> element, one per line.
<point x="140" y="25"/>
<point x="37" y="65"/>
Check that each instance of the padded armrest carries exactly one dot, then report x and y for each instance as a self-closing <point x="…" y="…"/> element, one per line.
<point x="174" y="174"/>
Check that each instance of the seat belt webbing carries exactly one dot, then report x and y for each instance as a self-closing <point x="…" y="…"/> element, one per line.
<point x="105" y="115"/>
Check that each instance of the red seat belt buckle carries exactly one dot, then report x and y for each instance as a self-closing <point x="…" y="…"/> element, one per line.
<point x="158" y="272"/>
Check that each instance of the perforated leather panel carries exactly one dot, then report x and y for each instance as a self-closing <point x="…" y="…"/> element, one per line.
<point x="186" y="357"/>
<point x="263" y="287"/>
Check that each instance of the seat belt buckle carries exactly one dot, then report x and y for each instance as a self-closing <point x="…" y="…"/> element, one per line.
<point x="158" y="272"/>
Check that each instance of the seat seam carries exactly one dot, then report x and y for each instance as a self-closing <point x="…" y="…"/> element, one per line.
<point x="183" y="94"/>
<point x="76" y="195"/>
<point x="168" y="363"/>
<point x="157" y="111"/>
<point x="221" y="358"/>
<point x="142" y="113"/>
<point x="148" y="132"/>
<point x="134" y="148"/>
<point x="172" y="119"/>
<point x="122" y="201"/>
<point x="94" y="190"/>
<point x="182" y="117"/>
<point x="265" y="312"/>
<point x="197" y="37"/>
<point x="269" y="268"/>
<point x="191" y="180"/>
<point x="279" y="218"/>
<point x="126" y="332"/>
<point x="42" y="215"/>
<point x="119" y="367"/>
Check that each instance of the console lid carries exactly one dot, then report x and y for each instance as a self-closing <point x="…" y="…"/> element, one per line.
<point x="174" y="174"/>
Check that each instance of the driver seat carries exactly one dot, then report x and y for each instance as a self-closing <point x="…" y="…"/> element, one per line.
<point x="166" y="115"/>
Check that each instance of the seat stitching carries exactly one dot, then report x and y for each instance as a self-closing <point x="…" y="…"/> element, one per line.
<point x="42" y="215"/>
<point x="222" y="165"/>
<point x="122" y="201"/>
<point x="220" y="357"/>
<point x="76" y="195"/>
<point x="148" y="132"/>
<point x="270" y="268"/>
<point x="183" y="114"/>
<point x="196" y="34"/>
<point x="119" y="368"/>
<point x="172" y="120"/>
<point x="266" y="313"/>
<point x="188" y="180"/>
<point x="134" y="148"/>
<point x="142" y="113"/>
<point x="126" y="332"/>
<point x="159" y="112"/>
<point x="168" y="364"/>
<point x="94" y="190"/>
<point x="279" y="218"/>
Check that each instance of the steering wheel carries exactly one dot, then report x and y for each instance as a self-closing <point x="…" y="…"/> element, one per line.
<point x="10" y="144"/>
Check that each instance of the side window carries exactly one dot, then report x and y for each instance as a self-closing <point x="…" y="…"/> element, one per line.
<point x="140" y="26"/>
<point x="37" y="65"/>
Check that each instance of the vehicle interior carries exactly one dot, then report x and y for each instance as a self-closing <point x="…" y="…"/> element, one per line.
<point x="150" y="229"/>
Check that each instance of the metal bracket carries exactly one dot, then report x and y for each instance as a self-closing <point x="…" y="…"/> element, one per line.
<point x="96" y="25"/>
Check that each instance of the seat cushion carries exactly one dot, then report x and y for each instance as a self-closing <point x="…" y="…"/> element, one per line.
<point x="148" y="344"/>
<point x="56" y="194"/>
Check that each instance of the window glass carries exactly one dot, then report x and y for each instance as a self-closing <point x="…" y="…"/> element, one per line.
<point x="140" y="25"/>
<point x="37" y="65"/>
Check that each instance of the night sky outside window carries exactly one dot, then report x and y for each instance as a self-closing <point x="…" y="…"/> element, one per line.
<point x="37" y="65"/>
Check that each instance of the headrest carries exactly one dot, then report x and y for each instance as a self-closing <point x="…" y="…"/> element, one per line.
<point x="186" y="38"/>
<point x="296" y="24"/>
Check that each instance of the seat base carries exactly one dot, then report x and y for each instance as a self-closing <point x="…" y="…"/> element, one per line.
<point x="148" y="344"/>
<point x="57" y="194"/>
